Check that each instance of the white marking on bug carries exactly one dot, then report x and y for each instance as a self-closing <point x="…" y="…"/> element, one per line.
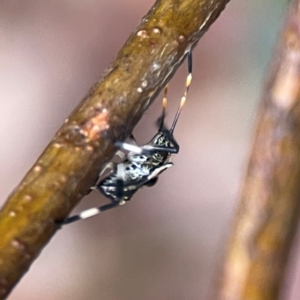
<point x="160" y="170"/>
<point x="140" y="90"/>
<point x="132" y="148"/>
<point x="89" y="213"/>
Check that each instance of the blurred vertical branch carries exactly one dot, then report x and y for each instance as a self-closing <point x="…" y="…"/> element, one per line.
<point x="267" y="217"/>
<point x="69" y="165"/>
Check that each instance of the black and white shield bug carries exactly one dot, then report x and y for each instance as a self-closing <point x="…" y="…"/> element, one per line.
<point x="142" y="165"/>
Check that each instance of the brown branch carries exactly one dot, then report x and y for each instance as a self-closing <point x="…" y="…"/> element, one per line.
<point x="269" y="207"/>
<point x="69" y="165"/>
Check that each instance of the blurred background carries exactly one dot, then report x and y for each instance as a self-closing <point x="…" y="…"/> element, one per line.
<point x="167" y="243"/>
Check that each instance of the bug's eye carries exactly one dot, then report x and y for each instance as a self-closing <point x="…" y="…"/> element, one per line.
<point x="152" y="182"/>
<point x="161" y="140"/>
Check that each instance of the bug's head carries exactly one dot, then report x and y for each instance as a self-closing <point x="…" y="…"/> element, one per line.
<point x="162" y="139"/>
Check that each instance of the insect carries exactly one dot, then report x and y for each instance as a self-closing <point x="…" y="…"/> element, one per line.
<point x="141" y="166"/>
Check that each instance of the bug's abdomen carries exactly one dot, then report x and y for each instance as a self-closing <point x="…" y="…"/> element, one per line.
<point x="135" y="175"/>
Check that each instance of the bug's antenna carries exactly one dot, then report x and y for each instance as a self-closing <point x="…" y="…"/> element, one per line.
<point x="164" y="105"/>
<point x="187" y="86"/>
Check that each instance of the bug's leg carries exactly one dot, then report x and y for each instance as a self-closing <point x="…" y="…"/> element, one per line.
<point x="120" y="184"/>
<point x="153" y="177"/>
<point x="108" y="166"/>
<point x="121" y="155"/>
<point x="132" y="140"/>
<point x="96" y="210"/>
<point x="129" y="147"/>
<point x="116" y="202"/>
<point x="159" y="170"/>
<point x="111" y="166"/>
<point x="89" y="213"/>
<point x="148" y="149"/>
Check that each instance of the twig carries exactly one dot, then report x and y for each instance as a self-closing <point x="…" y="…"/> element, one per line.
<point x="269" y="207"/>
<point x="69" y="165"/>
